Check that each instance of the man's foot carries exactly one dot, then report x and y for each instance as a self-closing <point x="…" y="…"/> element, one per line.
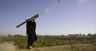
<point x="28" y="47"/>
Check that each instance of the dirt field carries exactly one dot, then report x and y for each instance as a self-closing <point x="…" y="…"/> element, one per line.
<point x="78" y="47"/>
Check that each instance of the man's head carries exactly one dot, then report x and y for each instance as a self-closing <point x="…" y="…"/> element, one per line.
<point x="33" y="19"/>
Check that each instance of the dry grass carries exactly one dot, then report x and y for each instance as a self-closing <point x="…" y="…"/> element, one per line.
<point x="78" y="47"/>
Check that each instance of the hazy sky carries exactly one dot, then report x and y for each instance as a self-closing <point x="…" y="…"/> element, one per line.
<point x="68" y="16"/>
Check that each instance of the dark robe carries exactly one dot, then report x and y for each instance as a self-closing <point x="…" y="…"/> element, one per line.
<point x="31" y="27"/>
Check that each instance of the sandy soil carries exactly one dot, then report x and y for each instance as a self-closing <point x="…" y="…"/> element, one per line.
<point x="77" y="47"/>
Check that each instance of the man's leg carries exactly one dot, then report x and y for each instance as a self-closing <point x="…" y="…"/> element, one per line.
<point x="29" y="41"/>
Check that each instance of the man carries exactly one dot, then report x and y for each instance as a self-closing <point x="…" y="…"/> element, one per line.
<point x="31" y="27"/>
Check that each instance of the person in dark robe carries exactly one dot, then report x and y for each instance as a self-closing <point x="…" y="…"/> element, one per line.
<point x="31" y="32"/>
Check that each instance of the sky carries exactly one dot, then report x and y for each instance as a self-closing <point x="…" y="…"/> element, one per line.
<point x="64" y="17"/>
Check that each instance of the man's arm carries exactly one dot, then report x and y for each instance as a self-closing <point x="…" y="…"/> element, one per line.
<point x="36" y="16"/>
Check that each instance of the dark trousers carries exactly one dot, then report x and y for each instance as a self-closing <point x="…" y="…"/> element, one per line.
<point x="30" y="40"/>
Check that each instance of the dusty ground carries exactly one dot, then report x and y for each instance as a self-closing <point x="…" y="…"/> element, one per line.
<point x="78" y="47"/>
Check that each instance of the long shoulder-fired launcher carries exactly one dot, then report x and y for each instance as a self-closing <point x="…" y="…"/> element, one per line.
<point x="33" y="17"/>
